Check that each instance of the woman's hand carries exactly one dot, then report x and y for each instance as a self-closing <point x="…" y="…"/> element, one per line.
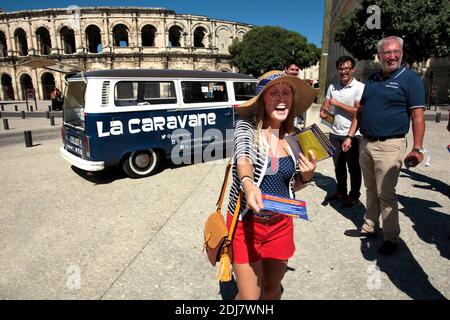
<point x="306" y="166"/>
<point x="253" y="197"/>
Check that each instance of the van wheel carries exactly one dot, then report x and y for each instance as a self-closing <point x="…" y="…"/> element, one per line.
<point x="142" y="163"/>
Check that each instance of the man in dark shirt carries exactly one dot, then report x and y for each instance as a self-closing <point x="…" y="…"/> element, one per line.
<point x="391" y="98"/>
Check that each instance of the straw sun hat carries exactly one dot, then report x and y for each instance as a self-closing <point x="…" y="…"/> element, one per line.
<point x="304" y="94"/>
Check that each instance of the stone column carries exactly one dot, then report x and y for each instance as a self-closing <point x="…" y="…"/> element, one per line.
<point x="32" y="45"/>
<point x="106" y="32"/>
<point x="12" y="51"/>
<point x="55" y="37"/>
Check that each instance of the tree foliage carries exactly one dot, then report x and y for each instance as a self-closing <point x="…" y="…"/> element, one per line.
<point x="269" y="48"/>
<point x="424" y="26"/>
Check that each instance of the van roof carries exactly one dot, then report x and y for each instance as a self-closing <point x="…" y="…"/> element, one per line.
<point x="159" y="73"/>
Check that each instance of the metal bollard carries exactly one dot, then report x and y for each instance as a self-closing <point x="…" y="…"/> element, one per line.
<point x="28" y="139"/>
<point x="23" y="114"/>
<point x="31" y="108"/>
<point x="5" y="124"/>
<point x="438" y="117"/>
<point x="3" y="107"/>
<point x="47" y="114"/>
<point x="52" y="120"/>
<point x="16" y="108"/>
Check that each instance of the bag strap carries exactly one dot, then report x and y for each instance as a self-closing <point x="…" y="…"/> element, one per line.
<point x="235" y="216"/>
<point x="224" y="187"/>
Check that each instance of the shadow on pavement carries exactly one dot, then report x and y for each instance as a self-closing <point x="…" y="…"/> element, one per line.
<point x="402" y="269"/>
<point x="433" y="184"/>
<point x="105" y="176"/>
<point x="328" y="184"/>
<point x="228" y="290"/>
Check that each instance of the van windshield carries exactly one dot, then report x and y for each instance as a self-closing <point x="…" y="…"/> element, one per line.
<point x="74" y="104"/>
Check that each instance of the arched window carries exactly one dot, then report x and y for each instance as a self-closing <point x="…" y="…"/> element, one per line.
<point x="175" y="36"/>
<point x="68" y="40"/>
<point x="25" y="83"/>
<point x="7" y="87"/>
<point x="20" y="38"/>
<point x="3" y="45"/>
<point x="94" y="39"/>
<point x="120" y="35"/>
<point x="48" y="84"/>
<point x="43" y="41"/>
<point x="148" y="33"/>
<point x="199" y="36"/>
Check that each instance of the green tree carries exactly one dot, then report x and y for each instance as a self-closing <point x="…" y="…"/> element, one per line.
<point x="269" y="48"/>
<point x="423" y="25"/>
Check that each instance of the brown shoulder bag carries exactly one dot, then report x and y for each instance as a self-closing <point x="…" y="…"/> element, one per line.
<point x="217" y="237"/>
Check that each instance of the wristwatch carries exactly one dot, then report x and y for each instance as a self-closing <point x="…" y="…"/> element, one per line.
<point x="419" y="150"/>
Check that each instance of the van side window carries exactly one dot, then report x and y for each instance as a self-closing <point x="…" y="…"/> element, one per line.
<point x="244" y="90"/>
<point x="201" y="91"/>
<point x="126" y="93"/>
<point x="159" y="92"/>
<point x="133" y="93"/>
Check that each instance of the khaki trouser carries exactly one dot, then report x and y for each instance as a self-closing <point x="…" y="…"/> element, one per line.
<point x="381" y="162"/>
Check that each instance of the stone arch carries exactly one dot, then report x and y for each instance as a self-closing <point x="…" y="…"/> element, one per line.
<point x="224" y="35"/>
<point x="225" y="70"/>
<point x="48" y="83"/>
<point x="3" y="45"/>
<point x="120" y="34"/>
<point x="7" y="87"/>
<point x="44" y="42"/>
<point x="93" y="39"/>
<point x="26" y="82"/>
<point x="175" y="34"/>
<point x="67" y="40"/>
<point x="200" y="33"/>
<point x="20" y="38"/>
<point x="148" y="35"/>
<point x="240" y="33"/>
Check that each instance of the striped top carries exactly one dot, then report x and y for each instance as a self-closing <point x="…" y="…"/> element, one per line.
<point x="244" y="136"/>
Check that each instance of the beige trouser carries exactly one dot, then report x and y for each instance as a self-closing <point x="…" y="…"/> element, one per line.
<point x="380" y="164"/>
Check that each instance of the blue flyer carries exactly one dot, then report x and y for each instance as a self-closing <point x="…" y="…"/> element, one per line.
<point x="291" y="207"/>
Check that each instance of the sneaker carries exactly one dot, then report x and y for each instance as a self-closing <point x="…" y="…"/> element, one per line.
<point x="387" y="248"/>
<point x="350" y="203"/>
<point x="336" y="197"/>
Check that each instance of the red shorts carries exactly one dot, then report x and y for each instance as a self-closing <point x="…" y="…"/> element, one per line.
<point x="254" y="241"/>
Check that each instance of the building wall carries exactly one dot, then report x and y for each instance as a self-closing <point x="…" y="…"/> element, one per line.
<point x="212" y="55"/>
<point x="440" y="68"/>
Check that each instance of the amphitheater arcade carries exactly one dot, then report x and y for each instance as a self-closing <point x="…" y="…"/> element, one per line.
<point x="106" y="38"/>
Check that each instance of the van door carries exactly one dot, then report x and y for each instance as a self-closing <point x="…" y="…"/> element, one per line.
<point x="207" y="108"/>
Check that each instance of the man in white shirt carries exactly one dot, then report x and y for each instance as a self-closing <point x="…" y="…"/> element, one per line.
<point x="342" y="100"/>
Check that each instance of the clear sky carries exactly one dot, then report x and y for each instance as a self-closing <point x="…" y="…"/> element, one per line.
<point x="302" y="16"/>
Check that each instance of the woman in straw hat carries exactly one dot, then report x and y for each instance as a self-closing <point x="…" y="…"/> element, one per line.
<point x="264" y="163"/>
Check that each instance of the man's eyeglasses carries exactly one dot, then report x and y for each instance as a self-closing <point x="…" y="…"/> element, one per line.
<point x="345" y="69"/>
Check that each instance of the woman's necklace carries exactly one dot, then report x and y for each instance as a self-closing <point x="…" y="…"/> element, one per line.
<point x="273" y="156"/>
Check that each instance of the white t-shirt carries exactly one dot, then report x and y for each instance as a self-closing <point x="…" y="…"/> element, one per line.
<point x="348" y="95"/>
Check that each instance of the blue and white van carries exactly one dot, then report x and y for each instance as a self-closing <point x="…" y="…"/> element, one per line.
<point x="136" y="118"/>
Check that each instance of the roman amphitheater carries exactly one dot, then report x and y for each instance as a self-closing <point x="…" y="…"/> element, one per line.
<point x="106" y="38"/>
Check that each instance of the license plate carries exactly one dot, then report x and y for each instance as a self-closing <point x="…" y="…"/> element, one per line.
<point x="74" y="140"/>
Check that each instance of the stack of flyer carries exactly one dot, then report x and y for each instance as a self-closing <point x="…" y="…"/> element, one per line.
<point x="311" y="138"/>
<point x="287" y="206"/>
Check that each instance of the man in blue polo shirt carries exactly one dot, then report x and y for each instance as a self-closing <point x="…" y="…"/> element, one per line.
<point x="391" y="98"/>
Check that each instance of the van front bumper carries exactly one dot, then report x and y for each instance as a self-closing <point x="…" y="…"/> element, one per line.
<point x="81" y="163"/>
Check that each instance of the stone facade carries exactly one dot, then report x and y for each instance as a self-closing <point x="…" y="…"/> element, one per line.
<point x="438" y="69"/>
<point x="108" y="38"/>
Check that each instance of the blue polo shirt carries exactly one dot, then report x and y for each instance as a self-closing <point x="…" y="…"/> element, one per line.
<point x="387" y="102"/>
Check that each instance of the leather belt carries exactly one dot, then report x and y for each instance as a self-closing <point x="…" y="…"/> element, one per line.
<point x="374" y="139"/>
<point x="266" y="219"/>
